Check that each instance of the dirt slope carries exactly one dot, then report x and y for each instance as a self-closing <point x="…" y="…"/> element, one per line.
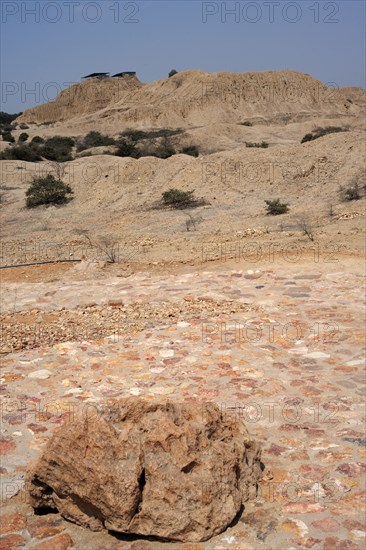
<point x="194" y="98"/>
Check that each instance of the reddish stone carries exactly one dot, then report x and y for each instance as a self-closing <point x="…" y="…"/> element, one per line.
<point x="306" y="542"/>
<point x="7" y="445"/>
<point x="353" y="524"/>
<point x="277" y="449"/>
<point x="43" y="528"/>
<point x="314" y="432"/>
<point x="36" y="428"/>
<point x="291" y="427"/>
<point x="313" y="472"/>
<point x="11" y="522"/>
<point x="326" y="524"/>
<point x="352" y="468"/>
<point x="10" y="542"/>
<point x="303" y="507"/>
<point x="61" y="542"/>
<point x="333" y="543"/>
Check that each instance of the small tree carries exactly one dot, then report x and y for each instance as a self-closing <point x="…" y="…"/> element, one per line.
<point x="37" y="140"/>
<point x="94" y="139"/>
<point x="352" y="193"/>
<point x="23" y="137"/>
<point x="306" y="227"/>
<point x="172" y="73"/>
<point x="126" y="148"/>
<point x="178" y="198"/>
<point x="7" y="136"/>
<point x="58" y="148"/>
<point x="22" y="151"/>
<point x="190" y="150"/>
<point x="47" y="190"/>
<point x="276" y="207"/>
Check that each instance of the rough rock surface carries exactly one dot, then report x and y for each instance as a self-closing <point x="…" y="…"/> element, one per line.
<point x="169" y="470"/>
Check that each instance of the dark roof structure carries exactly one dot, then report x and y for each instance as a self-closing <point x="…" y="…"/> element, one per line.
<point x="96" y="75"/>
<point x="124" y="73"/>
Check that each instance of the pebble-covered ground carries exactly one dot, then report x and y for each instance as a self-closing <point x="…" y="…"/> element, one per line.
<point x="283" y="351"/>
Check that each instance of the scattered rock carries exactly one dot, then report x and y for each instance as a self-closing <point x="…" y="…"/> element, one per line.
<point x="42" y="374"/>
<point x="11" y="522"/>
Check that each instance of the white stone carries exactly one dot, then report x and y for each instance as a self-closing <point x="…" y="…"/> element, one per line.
<point x="42" y="374"/>
<point x="318" y="355"/>
<point x="166" y="353"/>
<point x="355" y="362"/>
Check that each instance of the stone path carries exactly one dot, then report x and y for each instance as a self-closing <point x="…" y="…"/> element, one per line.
<point x="290" y="365"/>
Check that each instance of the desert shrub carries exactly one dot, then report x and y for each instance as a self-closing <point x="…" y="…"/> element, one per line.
<point x="7" y="118"/>
<point x="246" y="123"/>
<point x="320" y="132"/>
<point x="172" y="73"/>
<point x="190" y="150"/>
<point x="351" y="193"/>
<point x="94" y="139"/>
<point x="7" y="136"/>
<point x="164" y="150"/>
<point x="276" y="207"/>
<point x="23" y="126"/>
<point x="23" y="137"/>
<point x="47" y="190"/>
<point x="126" y="148"/>
<point x="305" y="225"/>
<point x="140" y="135"/>
<point x="262" y="144"/>
<point x="178" y="198"/>
<point x="37" y="140"/>
<point x="143" y="143"/>
<point x="58" y="148"/>
<point x="24" y="151"/>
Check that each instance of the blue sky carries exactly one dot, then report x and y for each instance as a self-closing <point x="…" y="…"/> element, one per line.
<point x="61" y="41"/>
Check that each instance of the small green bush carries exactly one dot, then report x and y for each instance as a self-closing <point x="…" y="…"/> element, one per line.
<point x="140" y="135"/>
<point x="126" y="148"/>
<point x="276" y="207"/>
<point x="7" y="136"/>
<point x="190" y="150"/>
<point x="58" y="148"/>
<point x="94" y="139"/>
<point x="178" y="198"/>
<point x="6" y="118"/>
<point x="320" y="132"/>
<point x="47" y="190"/>
<point x="24" y="151"/>
<point x="262" y="144"/>
<point x="172" y="73"/>
<point x="37" y="140"/>
<point x="23" y="136"/>
<point x="246" y="123"/>
<point x="23" y="126"/>
<point x="351" y="193"/>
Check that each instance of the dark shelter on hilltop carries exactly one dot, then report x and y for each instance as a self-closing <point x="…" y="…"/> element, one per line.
<point x="96" y="75"/>
<point x="123" y="74"/>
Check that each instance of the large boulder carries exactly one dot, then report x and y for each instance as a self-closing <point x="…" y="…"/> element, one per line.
<point x="177" y="471"/>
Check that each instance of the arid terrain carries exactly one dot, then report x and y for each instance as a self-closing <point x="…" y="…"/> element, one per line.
<point x="114" y="294"/>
